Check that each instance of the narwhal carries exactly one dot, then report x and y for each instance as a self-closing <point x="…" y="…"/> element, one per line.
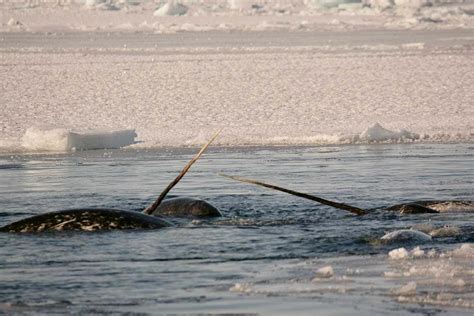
<point x="394" y="237"/>
<point x="420" y="207"/>
<point x="93" y="219"/>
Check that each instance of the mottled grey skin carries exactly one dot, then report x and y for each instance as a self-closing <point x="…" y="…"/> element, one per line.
<point x="112" y="219"/>
<point x="431" y="206"/>
<point x="186" y="207"/>
<point x="85" y="220"/>
<point x="463" y="204"/>
<point x="411" y="208"/>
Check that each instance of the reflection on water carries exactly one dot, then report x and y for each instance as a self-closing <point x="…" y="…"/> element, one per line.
<point x="262" y="256"/>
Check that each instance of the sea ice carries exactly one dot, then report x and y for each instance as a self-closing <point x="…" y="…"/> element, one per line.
<point x="407" y="289"/>
<point x="400" y="253"/>
<point x="62" y="139"/>
<point x="91" y="3"/>
<point x="293" y="91"/>
<point x="325" y="272"/>
<point x="101" y="5"/>
<point x="330" y="3"/>
<point x="172" y="7"/>
<point x="13" y="22"/>
<point x="241" y="287"/>
<point x="385" y="4"/>
<point x="377" y="133"/>
<point x="465" y="251"/>
<point x="417" y="252"/>
<point x="240" y="4"/>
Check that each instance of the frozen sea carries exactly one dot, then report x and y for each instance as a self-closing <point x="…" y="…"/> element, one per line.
<point x="269" y="87"/>
<point x="269" y="254"/>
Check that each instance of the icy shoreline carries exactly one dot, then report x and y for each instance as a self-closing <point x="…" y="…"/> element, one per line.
<point x="186" y="16"/>
<point x="58" y="140"/>
<point x="272" y="87"/>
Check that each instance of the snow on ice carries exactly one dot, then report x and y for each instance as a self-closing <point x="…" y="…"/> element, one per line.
<point x="61" y="139"/>
<point x="328" y="83"/>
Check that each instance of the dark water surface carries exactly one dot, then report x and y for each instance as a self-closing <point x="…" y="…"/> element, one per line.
<point x="262" y="257"/>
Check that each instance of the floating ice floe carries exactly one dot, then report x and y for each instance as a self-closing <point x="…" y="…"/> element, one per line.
<point x="325" y="272"/>
<point x="239" y="4"/>
<point x="377" y="133"/>
<point x="407" y="289"/>
<point x="432" y="278"/>
<point x="241" y="287"/>
<point x="331" y="3"/>
<point x="62" y="139"/>
<point x="172" y="7"/>
<point x="91" y="3"/>
<point x="465" y="251"/>
<point x="101" y="5"/>
<point x="385" y="4"/>
<point x="399" y="253"/>
<point x="415" y="253"/>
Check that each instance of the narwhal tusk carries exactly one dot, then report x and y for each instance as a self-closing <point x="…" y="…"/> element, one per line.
<point x="341" y="206"/>
<point x="150" y="209"/>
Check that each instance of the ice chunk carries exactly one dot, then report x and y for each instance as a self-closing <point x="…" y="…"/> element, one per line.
<point x="13" y="22"/>
<point x="62" y="139"/>
<point x="460" y="283"/>
<point x="172" y="7"/>
<point x="101" y="5"/>
<point x="377" y="133"/>
<point x="431" y="253"/>
<point x="400" y="253"/>
<point x="240" y="287"/>
<point x="379" y="4"/>
<point x="91" y="3"/>
<point x="325" y="272"/>
<point x="408" y="289"/>
<point x="417" y="252"/>
<point x="391" y="274"/>
<point x="330" y="3"/>
<point x="240" y="4"/>
<point x="385" y="4"/>
<point x="465" y="251"/>
<point x="412" y="3"/>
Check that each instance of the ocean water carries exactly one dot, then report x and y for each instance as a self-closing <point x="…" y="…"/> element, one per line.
<point x="270" y="253"/>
